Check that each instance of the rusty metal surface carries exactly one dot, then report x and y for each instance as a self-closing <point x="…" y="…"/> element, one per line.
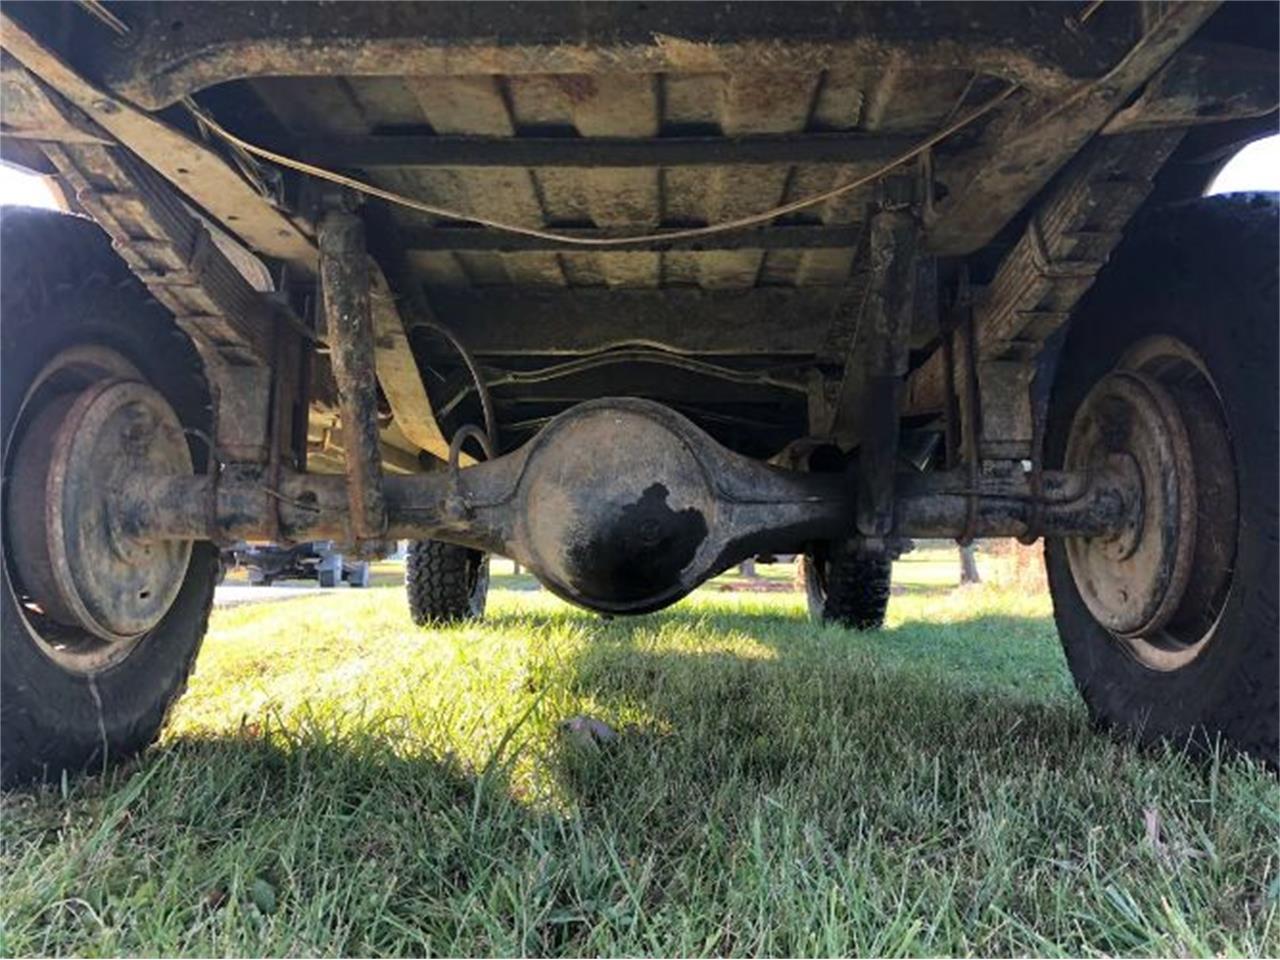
<point x="624" y="506"/>
<point x="870" y="388"/>
<point x="170" y="251"/>
<point x="772" y="322"/>
<point x="472" y="240"/>
<point x="399" y="375"/>
<point x="191" y="166"/>
<point x="1133" y="582"/>
<point x="29" y="113"/>
<point x="1038" y="283"/>
<point x="244" y="408"/>
<point x="601" y="152"/>
<point x="1160" y="585"/>
<point x="1203" y="83"/>
<point x="644" y="110"/>
<point x="1021" y="154"/>
<point x="1080" y="503"/>
<point x="72" y="557"/>
<point x="502" y="133"/>
<point x="185" y="46"/>
<point x="314" y="506"/>
<point x="620" y="505"/>
<point x="610" y="119"/>
<point x="344" y="289"/>
<point x="1193" y="625"/>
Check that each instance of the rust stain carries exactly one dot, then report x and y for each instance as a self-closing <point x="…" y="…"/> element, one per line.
<point x="578" y="87"/>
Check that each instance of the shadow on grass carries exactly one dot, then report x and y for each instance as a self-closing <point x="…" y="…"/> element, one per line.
<point x="825" y="714"/>
<point x="978" y="684"/>
<point x="731" y="713"/>
<point x="346" y="843"/>
<point x="766" y="625"/>
<point x="775" y="767"/>
<point x="813" y="697"/>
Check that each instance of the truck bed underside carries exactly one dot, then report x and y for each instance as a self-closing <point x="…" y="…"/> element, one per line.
<point x="597" y="122"/>
<point x="725" y="328"/>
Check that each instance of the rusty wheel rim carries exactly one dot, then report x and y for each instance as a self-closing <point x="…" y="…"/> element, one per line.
<point x="85" y="592"/>
<point x="1160" y="588"/>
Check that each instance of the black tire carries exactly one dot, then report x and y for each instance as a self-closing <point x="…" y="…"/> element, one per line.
<point x="1205" y="274"/>
<point x="61" y="286"/>
<point x="358" y="575"/>
<point x="445" y="583"/>
<point x="847" y="587"/>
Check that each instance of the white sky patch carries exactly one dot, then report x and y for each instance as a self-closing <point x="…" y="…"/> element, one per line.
<point x="1256" y="167"/>
<point x="24" y="189"/>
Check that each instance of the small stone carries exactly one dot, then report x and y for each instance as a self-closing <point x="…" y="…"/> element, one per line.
<point x="588" y="733"/>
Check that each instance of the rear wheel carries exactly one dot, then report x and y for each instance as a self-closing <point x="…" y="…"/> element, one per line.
<point x="99" y="632"/>
<point x="847" y="586"/>
<point x="445" y="583"/>
<point x="358" y="575"/>
<point x="1170" y="629"/>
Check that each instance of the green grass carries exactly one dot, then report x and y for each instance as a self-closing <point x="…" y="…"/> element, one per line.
<point x="339" y="782"/>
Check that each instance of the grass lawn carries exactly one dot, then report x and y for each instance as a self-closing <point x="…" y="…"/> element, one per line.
<point x="337" y="781"/>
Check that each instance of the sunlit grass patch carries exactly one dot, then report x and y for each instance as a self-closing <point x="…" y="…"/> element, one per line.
<point x="338" y="781"/>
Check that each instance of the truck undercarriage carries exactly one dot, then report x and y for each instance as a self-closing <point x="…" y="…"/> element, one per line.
<point x="633" y="293"/>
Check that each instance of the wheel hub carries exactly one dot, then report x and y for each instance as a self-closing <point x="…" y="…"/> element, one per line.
<point x="1133" y="581"/>
<point x="73" y="559"/>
